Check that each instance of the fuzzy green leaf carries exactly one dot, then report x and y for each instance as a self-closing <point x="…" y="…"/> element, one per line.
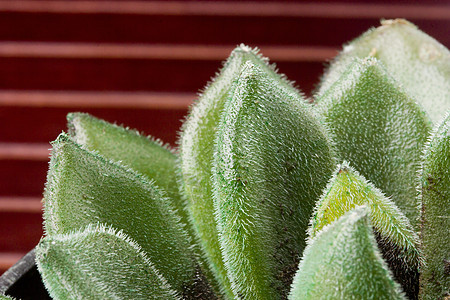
<point x="272" y="160"/>
<point x="6" y="297"/>
<point x="379" y="130"/>
<point x="417" y="61"/>
<point x="197" y="148"/>
<point x="84" y="187"/>
<point x="435" y="198"/>
<point x="98" y="263"/>
<point x="396" y="238"/>
<point x="145" y="155"/>
<point x="343" y="262"/>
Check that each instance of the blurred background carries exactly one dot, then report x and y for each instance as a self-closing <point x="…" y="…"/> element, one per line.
<point x="141" y="63"/>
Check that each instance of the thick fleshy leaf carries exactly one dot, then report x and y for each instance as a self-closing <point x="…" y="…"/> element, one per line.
<point x="343" y="262"/>
<point x="435" y="198"/>
<point x="379" y="129"/>
<point x="145" y="155"/>
<point x="84" y="187"/>
<point x="197" y="148"/>
<point x="273" y="158"/>
<point x="99" y="263"/>
<point x="417" y="61"/>
<point x="396" y="238"/>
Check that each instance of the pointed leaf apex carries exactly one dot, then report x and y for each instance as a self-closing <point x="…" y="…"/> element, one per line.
<point x="62" y="138"/>
<point x="73" y="115"/>
<point x="344" y="167"/>
<point x="370" y="61"/>
<point x="399" y="21"/>
<point x="246" y="49"/>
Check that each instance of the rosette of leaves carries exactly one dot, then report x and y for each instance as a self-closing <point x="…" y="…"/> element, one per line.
<point x="253" y="203"/>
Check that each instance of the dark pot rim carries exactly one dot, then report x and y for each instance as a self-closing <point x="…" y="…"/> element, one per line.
<point x="23" y="280"/>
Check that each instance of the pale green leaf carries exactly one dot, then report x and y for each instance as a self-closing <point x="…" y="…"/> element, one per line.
<point x="343" y="262"/>
<point x="396" y="238"/>
<point x="273" y="158"/>
<point x="417" y="61"/>
<point x="99" y="263"/>
<point x="435" y="198"/>
<point x="197" y="148"/>
<point x="145" y="155"/>
<point x="84" y="187"/>
<point x="379" y="130"/>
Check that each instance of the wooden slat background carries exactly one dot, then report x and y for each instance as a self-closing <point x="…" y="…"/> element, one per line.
<point x="141" y="63"/>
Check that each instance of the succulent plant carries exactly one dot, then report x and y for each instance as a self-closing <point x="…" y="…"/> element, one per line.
<point x="268" y="196"/>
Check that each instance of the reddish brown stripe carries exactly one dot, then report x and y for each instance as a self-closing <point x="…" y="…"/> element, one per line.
<point x="96" y="99"/>
<point x="142" y="51"/>
<point x="7" y="259"/>
<point x="21" y="204"/>
<point x="267" y="9"/>
<point x="20" y="151"/>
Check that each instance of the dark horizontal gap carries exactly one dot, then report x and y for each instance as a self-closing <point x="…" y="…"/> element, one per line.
<point x="218" y="30"/>
<point x="23" y="178"/>
<point x="41" y="125"/>
<point x="129" y="75"/>
<point x="93" y="75"/>
<point x="19" y="232"/>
